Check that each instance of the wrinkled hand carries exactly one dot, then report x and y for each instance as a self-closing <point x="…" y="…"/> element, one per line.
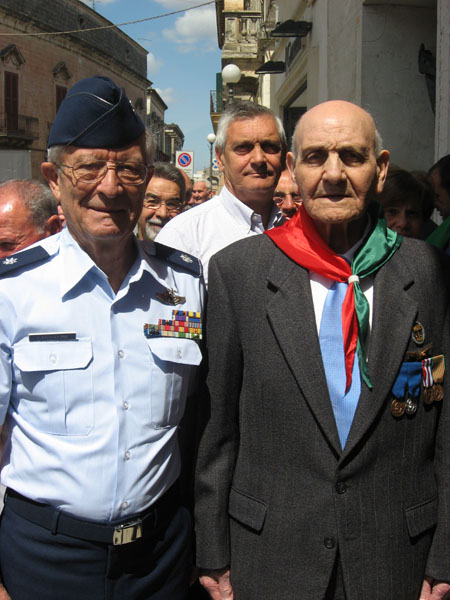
<point x="3" y="593"/>
<point x="217" y="584"/>
<point x="434" y="590"/>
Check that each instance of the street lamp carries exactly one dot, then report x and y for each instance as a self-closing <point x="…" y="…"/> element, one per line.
<point x="211" y="139"/>
<point x="231" y="74"/>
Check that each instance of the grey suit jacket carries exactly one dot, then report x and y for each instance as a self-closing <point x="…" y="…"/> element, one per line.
<point x="276" y="497"/>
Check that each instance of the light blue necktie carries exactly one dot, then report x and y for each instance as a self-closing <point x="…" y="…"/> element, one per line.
<point x="332" y="347"/>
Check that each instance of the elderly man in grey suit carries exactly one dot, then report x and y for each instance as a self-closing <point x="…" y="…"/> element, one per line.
<point x="324" y="468"/>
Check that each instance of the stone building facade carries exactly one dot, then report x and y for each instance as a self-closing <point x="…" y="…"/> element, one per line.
<point x="38" y="65"/>
<point x="390" y="56"/>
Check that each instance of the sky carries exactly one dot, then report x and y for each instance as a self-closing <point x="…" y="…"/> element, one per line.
<point x="182" y="63"/>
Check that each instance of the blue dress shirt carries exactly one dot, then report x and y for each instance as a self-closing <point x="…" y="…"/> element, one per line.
<point x="93" y="422"/>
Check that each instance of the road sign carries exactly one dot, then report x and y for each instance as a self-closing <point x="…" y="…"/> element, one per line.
<point x="185" y="161"/>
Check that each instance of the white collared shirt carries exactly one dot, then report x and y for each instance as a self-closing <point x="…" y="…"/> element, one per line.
<point x="207" y="228"/>
<point x="93" y="421"/>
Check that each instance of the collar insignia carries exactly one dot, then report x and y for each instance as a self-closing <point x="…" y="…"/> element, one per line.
<point x="10" y="261"/>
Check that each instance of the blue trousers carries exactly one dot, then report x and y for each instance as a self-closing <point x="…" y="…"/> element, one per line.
<point x="37" y="564"/>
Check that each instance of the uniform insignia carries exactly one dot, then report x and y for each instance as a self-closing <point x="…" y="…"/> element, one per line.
<point x="179" y="258"/>
<point x="398" y="407"/>
<point x="184" y="324"/>
<point x="418" y="333"/>
<point x="406" y="389"/>
<point x="419" y="354"/>
<point x="170" y="298"/>
<point x="410" y="406"/>
<point x="9" y="261"/>
<point x="22" y="259"/>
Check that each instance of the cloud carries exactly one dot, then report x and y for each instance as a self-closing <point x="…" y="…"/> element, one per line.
<point x="194" y="29"/>
<point x="153" y="64"/>
<point x="167" y="94"/>
<point x="179" y="3"/>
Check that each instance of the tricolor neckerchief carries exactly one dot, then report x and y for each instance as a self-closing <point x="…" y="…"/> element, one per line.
<point x="301" y="242"/>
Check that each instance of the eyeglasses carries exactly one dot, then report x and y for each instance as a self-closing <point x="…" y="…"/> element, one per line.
<point x="128" y="173"/>
<point x="281" y="197"/>
<point x="173" y="206"/>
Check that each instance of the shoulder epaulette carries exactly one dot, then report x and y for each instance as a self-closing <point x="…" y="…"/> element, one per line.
<point x="22" y="259"/>
<point x="177" y="257"/>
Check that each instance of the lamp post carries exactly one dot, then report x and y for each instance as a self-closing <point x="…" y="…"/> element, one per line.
<point x="231" y="74"/>
<point x="211" y="139"/>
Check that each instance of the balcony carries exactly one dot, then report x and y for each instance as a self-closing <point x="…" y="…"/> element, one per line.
<point x="18" y="129"/>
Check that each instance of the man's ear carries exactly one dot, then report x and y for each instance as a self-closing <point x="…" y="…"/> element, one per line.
<point x="53" y="225"/>
<point x="382" y="169"/>
<point x="50" y="172"/>
<point x="290" y="163"/>
<point x="219" y="155"/>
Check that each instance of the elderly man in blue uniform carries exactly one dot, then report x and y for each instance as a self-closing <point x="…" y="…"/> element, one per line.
<point x="95" y="370"/>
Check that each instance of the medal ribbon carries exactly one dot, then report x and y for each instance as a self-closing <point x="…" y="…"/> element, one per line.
<point x="427" y="372"/>
<point x="299" y="240"/>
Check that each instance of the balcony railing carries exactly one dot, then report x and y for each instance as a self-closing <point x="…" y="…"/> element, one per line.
<point x="20" y="127"/>
<point x="216" y="102"/>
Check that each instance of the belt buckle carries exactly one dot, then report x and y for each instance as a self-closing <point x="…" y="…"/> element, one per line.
<point x="127" y="533"/>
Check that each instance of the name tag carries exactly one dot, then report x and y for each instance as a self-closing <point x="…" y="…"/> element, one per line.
<point x="63" y="336"/>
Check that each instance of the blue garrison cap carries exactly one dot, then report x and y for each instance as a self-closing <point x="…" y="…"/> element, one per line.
<point x="95" y="113"/>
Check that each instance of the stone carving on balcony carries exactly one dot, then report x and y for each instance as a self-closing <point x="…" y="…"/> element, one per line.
<point x="11" y="55"/>
<point x="61" y="73"/>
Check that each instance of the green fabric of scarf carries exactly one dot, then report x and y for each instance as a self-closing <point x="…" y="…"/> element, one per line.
<point x="441" y="235"/>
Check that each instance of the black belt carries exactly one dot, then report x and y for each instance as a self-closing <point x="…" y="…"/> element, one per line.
<point x="117" y="534"/>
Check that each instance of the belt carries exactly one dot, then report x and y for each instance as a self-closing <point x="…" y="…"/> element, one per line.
<point x="116" y="534"/>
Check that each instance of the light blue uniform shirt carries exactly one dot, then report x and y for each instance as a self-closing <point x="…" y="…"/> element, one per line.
<point x="93" y="422"/>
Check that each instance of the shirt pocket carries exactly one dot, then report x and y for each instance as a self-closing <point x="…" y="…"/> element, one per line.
<point x="55" y="389"/>
<point x="174" y="362"/>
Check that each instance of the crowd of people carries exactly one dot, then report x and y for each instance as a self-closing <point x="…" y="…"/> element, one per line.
<point x="235" y="396"/>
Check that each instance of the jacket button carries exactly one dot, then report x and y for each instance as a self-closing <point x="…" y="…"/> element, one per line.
<point x="329" y="542"/>
<point x="341" y="487"/>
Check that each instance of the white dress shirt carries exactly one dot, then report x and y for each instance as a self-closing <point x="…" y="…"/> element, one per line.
<point x="207" y="228"/>
<point x="92" y="422"/>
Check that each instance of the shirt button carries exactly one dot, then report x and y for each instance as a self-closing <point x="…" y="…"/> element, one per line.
<point x="179" y="353"/>
<point x="124" y="504"/>
<point x="127" y="455"/>
<point x="341" y="487"/>
<point x="329" y="542"/>
<point x="125" y="405"/>
<point x="121" y="354"/>
<point x="53" y="358"/>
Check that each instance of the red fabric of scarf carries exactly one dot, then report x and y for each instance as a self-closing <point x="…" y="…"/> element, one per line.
<point x="299" y="240"/>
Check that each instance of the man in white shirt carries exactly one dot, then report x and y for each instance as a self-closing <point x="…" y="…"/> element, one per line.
<point x="250" y="151"/>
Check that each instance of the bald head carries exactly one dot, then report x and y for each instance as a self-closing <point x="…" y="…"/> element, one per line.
<point x="338" y="110"/>
<point x="28" y="213"/>
<point x="339" y="167"/>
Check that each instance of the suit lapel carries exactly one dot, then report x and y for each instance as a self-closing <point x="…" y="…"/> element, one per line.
<point x="394" y="313"/>
<point x="290" y="310"/>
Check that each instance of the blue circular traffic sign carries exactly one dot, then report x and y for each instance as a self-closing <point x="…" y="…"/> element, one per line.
<point x="184" y="159"/>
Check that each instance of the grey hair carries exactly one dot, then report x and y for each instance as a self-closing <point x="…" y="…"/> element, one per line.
<point x="205" y="181"/>
<point x="171" y="173"/>
<point x="36" y="196"/>
<point x="377" y="147"/>
<point x="55" y="154"/>
<point x="246" y="110"/>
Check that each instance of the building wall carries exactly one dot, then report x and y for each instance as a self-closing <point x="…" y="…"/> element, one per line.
<point x="442" y="129"/>
<point x="110" y="53"/>
<point x="393" y="90"/>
